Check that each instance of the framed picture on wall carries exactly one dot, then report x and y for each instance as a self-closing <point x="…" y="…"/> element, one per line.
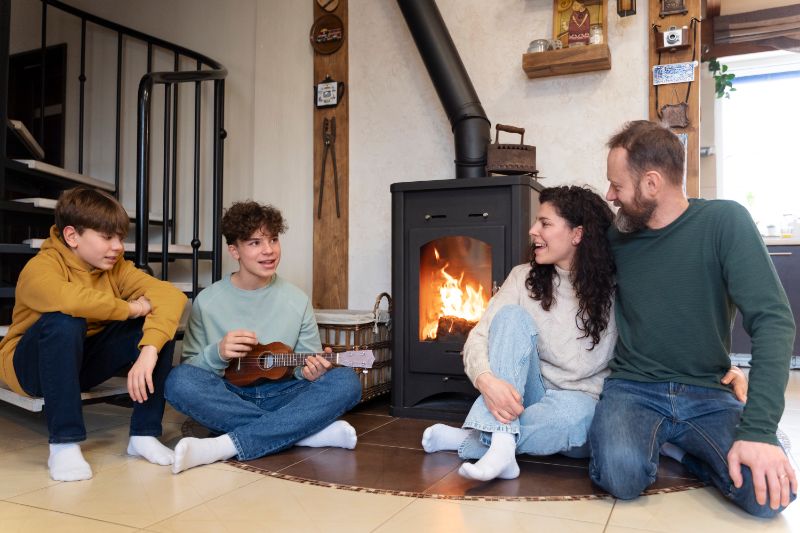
<point x="579" y="22"/>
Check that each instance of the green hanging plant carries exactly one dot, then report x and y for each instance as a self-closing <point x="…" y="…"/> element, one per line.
<point x="723" y="81"/>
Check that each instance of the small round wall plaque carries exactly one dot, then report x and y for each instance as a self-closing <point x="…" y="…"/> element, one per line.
<point x="328" y="5"/>
<point x="327" y="34"/>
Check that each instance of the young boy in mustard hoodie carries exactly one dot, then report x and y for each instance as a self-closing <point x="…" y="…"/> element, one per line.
<point x="82" y="314"/>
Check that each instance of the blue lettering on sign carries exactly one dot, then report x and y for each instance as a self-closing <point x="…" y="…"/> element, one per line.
<point x="674" y="73"/>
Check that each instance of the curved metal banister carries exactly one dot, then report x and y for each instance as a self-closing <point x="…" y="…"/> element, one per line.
<point x="169" y="78"/>
<point x="207" y="70"/>
<point x="161" y="43"/>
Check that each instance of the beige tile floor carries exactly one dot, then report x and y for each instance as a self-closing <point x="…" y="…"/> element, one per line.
<point x="128" y="494"/>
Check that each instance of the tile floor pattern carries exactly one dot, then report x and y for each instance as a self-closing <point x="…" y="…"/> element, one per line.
<point x="128" y="494"/>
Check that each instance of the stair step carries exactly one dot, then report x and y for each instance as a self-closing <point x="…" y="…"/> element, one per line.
<point x="50" y="203"/>
<point x="63" y="173"/>
<point x="112" y="387"/>
<point x="154" y="248"/>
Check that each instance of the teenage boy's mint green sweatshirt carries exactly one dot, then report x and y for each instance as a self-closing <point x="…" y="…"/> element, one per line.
<point x="279" y="312"/>
<point x="678" y="290"/>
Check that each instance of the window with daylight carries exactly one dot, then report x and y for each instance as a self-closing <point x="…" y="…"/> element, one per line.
<point x="757" y="141"/>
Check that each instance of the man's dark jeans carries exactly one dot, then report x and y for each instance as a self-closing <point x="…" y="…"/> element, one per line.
<point x="634" y="419"/>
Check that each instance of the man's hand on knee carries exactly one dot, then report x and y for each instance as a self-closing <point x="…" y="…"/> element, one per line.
<point x="771" y="469"/>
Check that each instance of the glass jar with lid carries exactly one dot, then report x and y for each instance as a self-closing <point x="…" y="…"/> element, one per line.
<point x="596" y="34"/>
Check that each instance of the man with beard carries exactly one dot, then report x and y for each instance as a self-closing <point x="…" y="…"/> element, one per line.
<point x="683" y="267"/>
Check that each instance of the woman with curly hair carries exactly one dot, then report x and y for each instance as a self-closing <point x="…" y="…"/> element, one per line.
<point x="540" y="352"/>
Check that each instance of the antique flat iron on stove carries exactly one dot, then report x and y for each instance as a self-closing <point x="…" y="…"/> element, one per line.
<point x="511" y="158"/>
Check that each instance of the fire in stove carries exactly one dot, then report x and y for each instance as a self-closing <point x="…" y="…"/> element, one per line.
<point x="455" y="281"/>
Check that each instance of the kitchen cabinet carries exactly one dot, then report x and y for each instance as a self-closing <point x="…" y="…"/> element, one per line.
<point x="787" y="264"/>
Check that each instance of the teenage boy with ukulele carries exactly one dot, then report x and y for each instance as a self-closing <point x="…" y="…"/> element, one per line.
<point x="251" y="306"/>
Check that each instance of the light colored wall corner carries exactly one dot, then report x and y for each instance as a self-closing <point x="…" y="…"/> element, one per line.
<point x="283" y="147"/>
<point x="399" y="131"/>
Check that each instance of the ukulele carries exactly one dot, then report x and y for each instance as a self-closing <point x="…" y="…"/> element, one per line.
<point x="277" y="361"/>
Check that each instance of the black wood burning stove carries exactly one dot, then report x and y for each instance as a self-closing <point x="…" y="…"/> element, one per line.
<point x="453" y="242"/>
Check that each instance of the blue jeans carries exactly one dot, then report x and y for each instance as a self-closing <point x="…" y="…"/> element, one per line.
<point x="56" y="361"/>
<point x="264" y="418"/>
<point x="634" y="419"/>
<point x="554" y="421"/>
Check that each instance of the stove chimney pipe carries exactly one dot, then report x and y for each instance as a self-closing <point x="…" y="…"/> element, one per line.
<point x="459" y="99"/>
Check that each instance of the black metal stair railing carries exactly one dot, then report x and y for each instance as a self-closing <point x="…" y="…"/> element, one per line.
<point x="207" y="70"/>
<point x="143" y="167"/>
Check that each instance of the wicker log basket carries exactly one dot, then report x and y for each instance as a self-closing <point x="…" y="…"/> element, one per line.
<point x="347" y="329"/>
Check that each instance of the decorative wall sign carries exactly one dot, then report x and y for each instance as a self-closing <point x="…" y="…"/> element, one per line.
<point x="327" y="34"/>
<point x="328" y="92"/>
<point x="673" y="7"/>
<point x="674" y="73"/>
<point x="328" y="5"/>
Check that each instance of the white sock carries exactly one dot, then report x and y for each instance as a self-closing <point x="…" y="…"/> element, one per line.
<point x="339" y="434"/>
<point x="66" y="463"/>
<point x="191" y="452"/>
<point x="670" y="450"/>
<point x="499" y="461"/>
<point x="440" y="437"/>
<point x="151" y="449"/>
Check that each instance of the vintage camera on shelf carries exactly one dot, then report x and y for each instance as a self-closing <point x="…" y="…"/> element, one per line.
<point x="672" y="39"/>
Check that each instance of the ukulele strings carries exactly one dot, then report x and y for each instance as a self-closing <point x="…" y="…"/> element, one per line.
<point x="277" y="359"/>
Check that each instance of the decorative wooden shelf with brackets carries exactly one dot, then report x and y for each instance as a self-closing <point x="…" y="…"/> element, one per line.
<point x="567" y="61"/>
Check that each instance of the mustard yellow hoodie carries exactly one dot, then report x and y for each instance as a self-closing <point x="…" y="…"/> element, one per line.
<point x="56" y="279"/>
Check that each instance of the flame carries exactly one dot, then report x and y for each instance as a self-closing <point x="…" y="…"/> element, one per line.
<point x="456" y="299"/>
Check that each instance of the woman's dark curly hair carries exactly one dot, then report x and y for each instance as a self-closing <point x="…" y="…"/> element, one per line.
<point x="242" y="219"/>
<point x="592" y="273"/>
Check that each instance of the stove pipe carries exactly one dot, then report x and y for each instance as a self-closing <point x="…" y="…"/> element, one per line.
<point x="452" y="83"/>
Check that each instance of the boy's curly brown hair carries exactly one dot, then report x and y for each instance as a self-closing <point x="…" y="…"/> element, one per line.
<point x="242" y="219"/>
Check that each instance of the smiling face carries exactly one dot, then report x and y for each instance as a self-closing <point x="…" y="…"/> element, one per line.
<point x="625" y="191"/>
<point x="258" y="258"/>
<point x="100" y="250"/>
<point x="554" y="241"/>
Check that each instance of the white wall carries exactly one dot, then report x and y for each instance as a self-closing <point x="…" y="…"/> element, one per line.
<point x="283" y="128"/>
<point x="399" y="131"/>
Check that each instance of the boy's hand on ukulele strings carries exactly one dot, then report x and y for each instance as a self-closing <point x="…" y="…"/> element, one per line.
<point x="315" y="367"/>
<point x="236" y="343"/>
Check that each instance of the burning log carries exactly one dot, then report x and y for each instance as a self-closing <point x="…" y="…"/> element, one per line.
<point x="453" y="329"/>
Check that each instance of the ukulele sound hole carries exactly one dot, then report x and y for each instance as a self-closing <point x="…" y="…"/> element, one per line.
<point x="267" y="362"/>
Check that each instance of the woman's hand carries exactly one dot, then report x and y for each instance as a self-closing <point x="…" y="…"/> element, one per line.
<point x="737" y="381"/>
<point x="501" y="398"/>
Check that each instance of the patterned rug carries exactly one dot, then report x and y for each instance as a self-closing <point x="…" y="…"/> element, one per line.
<point x="389" y="460"/>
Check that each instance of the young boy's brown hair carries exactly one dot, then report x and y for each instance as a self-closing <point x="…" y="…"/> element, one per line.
<point x="242" y="219"/>
<point x="86" y="208"/>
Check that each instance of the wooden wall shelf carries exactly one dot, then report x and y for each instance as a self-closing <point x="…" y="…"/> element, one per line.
<point x="567" y="61"/>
